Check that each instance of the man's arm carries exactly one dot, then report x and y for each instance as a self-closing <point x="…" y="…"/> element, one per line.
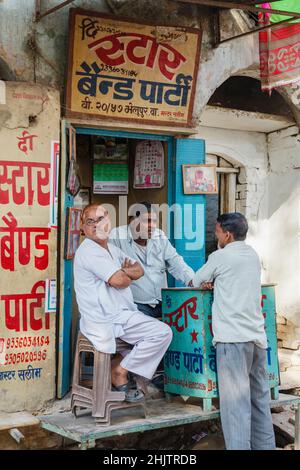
<point x="206" y="274"/>
<point x="133" y="269"/>
<point x="119" y="279"/>
<point x="176" y="265"/>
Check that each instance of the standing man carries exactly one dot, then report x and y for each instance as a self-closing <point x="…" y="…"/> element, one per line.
<point x="239" y="337"/>
<point x="142" y="241"/>
<point x="102" y="276"/>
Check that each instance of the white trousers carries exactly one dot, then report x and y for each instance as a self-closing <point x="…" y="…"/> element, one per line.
<point x="150" y="339"/>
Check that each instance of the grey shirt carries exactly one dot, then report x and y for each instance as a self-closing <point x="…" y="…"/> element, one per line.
<point x="236" y="311"/>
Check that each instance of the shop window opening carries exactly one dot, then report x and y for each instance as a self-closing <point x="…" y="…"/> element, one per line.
<point x="224" y="201"/>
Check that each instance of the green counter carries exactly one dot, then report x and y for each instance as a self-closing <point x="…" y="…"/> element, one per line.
<point x="190" y="362"/>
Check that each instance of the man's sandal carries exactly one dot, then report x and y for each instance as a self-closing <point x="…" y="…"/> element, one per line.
<point x="131" y="395"/>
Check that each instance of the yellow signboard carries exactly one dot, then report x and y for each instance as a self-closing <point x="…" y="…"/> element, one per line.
<point x="123" y="70"/>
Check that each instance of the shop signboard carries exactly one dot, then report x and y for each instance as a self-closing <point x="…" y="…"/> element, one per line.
<point x="125" y="70"/>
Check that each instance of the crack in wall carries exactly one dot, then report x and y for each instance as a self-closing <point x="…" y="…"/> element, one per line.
<point x="30" y="120"/>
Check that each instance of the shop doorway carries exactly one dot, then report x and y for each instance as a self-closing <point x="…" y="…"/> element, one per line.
<point x="89" y="144"/>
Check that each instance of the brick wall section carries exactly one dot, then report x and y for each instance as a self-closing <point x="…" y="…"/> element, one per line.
<point x="249" y="192"/>
<point x="288" y="352"/>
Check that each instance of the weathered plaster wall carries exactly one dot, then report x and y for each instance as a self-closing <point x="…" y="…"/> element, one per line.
<point x="37" y="51"/>
<point x="284" y="222"/>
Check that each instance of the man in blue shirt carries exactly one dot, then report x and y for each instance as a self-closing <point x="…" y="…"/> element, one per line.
<point x="142" y="241"/>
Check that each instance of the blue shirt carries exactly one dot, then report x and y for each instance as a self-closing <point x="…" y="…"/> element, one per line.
<point x="158" y="258"/>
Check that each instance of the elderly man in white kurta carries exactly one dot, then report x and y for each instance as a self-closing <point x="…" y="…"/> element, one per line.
<point x="102" y="276"/>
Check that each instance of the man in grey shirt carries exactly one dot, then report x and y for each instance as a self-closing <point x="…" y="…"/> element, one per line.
<point x="142" y="241"/>
<point x="239" y="337"/>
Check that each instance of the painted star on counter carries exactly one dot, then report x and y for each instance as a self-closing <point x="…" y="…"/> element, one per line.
<point x="194" y="335"/>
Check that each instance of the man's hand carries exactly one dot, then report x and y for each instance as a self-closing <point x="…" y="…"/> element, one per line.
<point x="207" y="285"/>
<point x="119" y="280"/>
<point x="133" y="270"/>
<point x="127" y="264"/>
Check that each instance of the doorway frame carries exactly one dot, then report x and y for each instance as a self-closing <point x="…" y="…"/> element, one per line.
<point x="65" y="267"/>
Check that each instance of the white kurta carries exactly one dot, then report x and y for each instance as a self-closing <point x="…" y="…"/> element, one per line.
<point x="107" y="313"/>
<point x="103" y="309"/>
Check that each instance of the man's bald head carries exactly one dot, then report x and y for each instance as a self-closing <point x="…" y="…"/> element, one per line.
<point x="95" y="223"/>
<point x="87" y="209"/>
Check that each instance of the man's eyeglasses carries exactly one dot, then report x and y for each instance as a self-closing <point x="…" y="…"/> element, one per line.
<point x="94" y="222"/>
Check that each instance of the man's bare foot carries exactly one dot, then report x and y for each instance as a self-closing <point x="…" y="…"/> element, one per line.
<point x="119" y="375"/>
<point x="115" y="362"/>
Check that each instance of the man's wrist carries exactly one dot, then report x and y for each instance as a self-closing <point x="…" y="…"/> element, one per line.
<point x="126" y="272"/>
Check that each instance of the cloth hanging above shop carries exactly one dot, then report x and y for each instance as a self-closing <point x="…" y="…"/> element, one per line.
<point x="284" y="5"/>
<point x="149" y="165"/>
<point x="279" y="49"/>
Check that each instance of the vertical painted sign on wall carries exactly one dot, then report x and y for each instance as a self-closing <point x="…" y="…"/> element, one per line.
<point x="29" y="126"/>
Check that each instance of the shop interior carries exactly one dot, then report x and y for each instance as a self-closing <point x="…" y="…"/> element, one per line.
<point x="102" y="157"/>
<point x="108" y="168"/>
<point x="105" y="168"/>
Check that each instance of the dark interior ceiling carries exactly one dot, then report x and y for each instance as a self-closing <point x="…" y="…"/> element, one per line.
<point x="245" y="93"/>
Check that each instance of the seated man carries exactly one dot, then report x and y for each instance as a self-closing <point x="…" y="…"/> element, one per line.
<point x="102" y="276"/>
<point x="142" y="241"/>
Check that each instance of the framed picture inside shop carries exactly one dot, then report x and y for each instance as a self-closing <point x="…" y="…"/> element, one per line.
<point x="199" y="179"/>
<point x="110" y="149"/>
<point x="72" y="234"/>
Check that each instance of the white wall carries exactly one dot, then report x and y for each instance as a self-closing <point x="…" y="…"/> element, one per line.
<point x="269" y="196"/>
<point x="249" y="151"/>
<point x="284" y="220"/>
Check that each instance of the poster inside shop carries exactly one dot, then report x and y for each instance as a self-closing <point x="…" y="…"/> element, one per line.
<point x="110" y="178"/>
<point x="110" y="148"/>
<point x="129" y="71"/>
<point x="149" y="165"/>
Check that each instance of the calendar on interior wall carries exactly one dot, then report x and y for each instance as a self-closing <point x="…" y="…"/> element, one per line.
<point x="110" y="178"/>
<point x="149" y="165"/>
